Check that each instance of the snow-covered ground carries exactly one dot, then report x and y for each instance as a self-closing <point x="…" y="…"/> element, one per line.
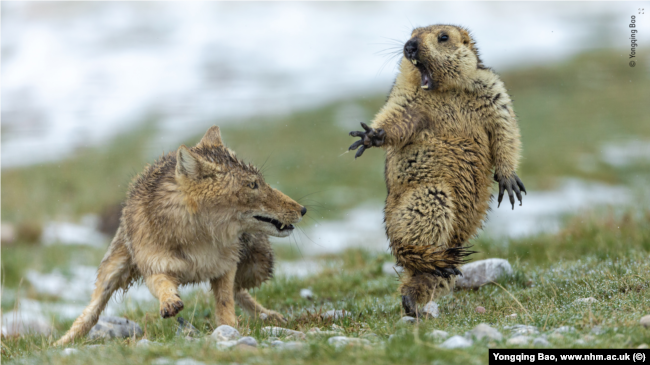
<point x="78" y="73"/>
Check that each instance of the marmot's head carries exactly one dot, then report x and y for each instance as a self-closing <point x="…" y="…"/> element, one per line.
<point x="441" y="55"/>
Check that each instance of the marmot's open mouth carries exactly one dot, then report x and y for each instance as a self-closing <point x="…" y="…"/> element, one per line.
<point x="279" y="225"/>
<point x="427" y="83"/>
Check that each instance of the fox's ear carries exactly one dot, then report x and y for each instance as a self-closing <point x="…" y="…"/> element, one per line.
<point x="187" y="163"/>
<point x="212" y="138"/>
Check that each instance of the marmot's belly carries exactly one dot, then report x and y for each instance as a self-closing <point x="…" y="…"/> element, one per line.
<point x="460" y="165"/>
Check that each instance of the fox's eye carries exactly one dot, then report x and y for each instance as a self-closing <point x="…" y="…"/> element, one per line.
<point x="443" y="38"/>
<point x="253" y="185"/>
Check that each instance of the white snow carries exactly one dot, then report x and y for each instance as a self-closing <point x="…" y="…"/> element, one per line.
<point x="77" y="74"/>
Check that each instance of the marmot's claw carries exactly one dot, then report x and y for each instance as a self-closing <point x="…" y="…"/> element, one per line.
<point x="511" y="184"/>
<point x="438" y="273"/>
<point x="360" y="152"/>
<point x="457" y="272"/>
<point x="356" y="145"/>
<point x="370" y="138"/>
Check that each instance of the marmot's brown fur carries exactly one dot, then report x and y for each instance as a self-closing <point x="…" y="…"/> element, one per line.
<point x="196" y="215"/>
<point x="447" y="123"/>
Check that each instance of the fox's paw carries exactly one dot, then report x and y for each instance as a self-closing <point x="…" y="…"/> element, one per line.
<point x="171" y="306"/>
<point x="273" y="316"/>
<point x="510" y="183"/>
<point x="370" y="138"/>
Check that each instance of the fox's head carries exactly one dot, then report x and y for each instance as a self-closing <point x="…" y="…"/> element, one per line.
<point x="217" y="185"/>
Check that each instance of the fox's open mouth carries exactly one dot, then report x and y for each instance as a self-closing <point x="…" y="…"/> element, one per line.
<point x="279" y="225"/>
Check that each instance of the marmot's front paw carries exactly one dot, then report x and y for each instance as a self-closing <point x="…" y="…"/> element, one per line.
<point x="510" y="183"/>
<point x="410" y="306"/>
<point x="370" y="138"/>
<point x="273" y="316"/>
<point x="171" y="306"/>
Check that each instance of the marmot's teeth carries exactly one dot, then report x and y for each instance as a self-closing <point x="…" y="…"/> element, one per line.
<point x="425" y="86"/>
<point x="415" y="62"/>
<point x="282" y="227"/>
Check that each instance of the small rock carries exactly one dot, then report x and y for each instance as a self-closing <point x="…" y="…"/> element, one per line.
<point x="437" y="335"/>
<point x="249" y="341"/>
<point x="185" y="328"/>
<point x="456" y="342"/>
<point x="114" y="327"/>
<point x="407" y="320"/>
<point x="484" y="331"/>
<point x="317" y="332"/>
<point x="189" y="361"/>
<point x="597" y="330"/>
<point x="69" y="351"/>
<point x="264" y="316"/>
<point x="389" y="268"/>
<point x="225" y="333"/>
<point x="645" y="321"/>
<point x="277" y="343"/>
<point x="7" y="234"/>
<point x="480" y="310"/>
<point x="283" y="332"/>
<point x="511" y="316"/>
<point x="585" y="300"/>
<point x="292" y="345"/>
<point x="482" y="272"/>
<point x="519" y="340"/>
<point x="520" y="329"/>
<point x="643" y="346"/>
<point x="306" y="294"/>
<point x="144" y="343"/>
<point x="431" y="310"/>
<point x="336" y="314"/>
<point x="337" y="328"/>
<point x="222" y="345"/>
<point x="342" y="341"/>
<point x="541" y="342"/>
<point x="564" y="329"/>
<point x="580" y="342"/>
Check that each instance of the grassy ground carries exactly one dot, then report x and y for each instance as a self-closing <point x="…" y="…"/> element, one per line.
<point x="567" y="112"/>
<point x="550" y="273"/>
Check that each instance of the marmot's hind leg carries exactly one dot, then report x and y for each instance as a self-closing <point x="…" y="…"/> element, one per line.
<point x="421" y="288"/>
<point x="254" y="268"/>
<point x="420" y="224"/>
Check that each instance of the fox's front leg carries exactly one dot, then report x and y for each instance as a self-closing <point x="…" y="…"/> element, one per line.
<point x="165" y="288"/>
<point x="223" y="289"/>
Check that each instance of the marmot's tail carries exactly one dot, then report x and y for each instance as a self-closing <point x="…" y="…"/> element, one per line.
<point x="431" y="259"/>
<point x="114" y="273"/>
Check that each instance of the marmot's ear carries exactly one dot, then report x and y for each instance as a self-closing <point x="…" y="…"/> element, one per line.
<point x="187" y="163"/>
<point x="212" y="138"/>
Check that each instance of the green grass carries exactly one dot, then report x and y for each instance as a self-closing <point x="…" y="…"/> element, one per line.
<point x="546" y="282"/>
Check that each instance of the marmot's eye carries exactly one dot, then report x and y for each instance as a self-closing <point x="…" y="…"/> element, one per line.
<point x="253" y="185"/>
<point x="443" y="38"/>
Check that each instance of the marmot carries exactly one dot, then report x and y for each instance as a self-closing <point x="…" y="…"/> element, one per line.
<point x="196" y="215"/>
<point x="447" y="122"/>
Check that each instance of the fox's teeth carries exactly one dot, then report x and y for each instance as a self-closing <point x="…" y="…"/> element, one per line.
<point x="415" y="62"/>
<point x="282" y="227"/>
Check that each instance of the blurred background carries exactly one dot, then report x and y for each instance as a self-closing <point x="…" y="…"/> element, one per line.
<point x="92" y="91"/>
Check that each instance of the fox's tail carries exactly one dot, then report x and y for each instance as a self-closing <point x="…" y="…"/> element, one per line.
<point x="114" y="273"/>
<point x="431" y="259"/>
